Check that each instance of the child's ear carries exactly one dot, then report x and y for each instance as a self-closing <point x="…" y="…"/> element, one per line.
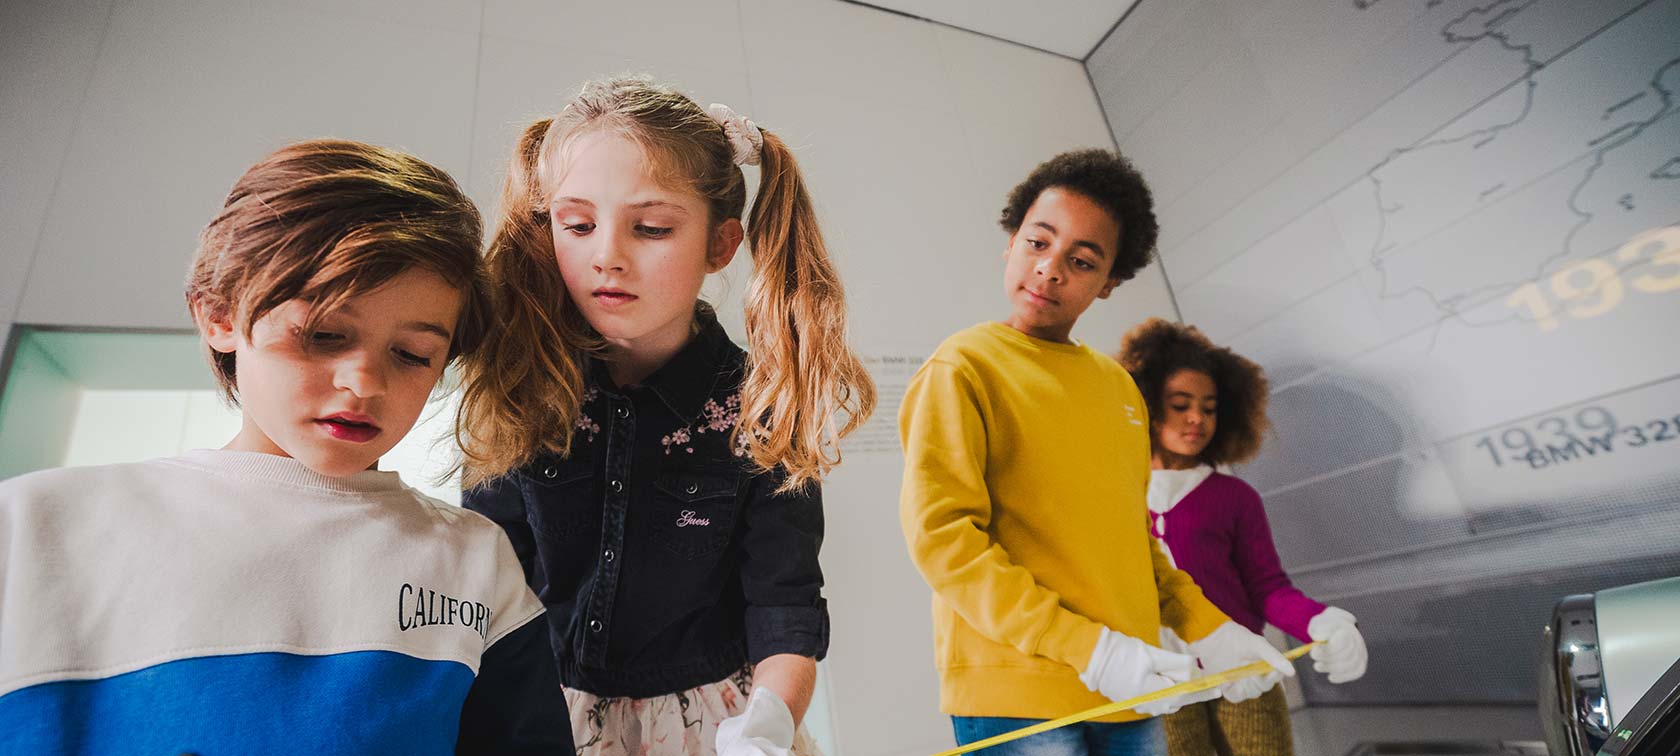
<point x="1108" y="288"/>
<point x="218" y="330"/>
<point x="726" y="238"/>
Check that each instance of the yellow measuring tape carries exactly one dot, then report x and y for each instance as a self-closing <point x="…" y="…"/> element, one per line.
<point x="1194" y="686"/>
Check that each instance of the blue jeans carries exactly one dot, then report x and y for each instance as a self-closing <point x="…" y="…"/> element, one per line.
<point x="1141" y="738"/>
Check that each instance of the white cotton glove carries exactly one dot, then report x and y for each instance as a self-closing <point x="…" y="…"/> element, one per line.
<point x="1232" y="645"/>
<point x="1249" y="687"/>
<point x="1124" y="667"/>
<point x="1167" y="706"/>
<point x="1174" y="644"/>
<point x="1342" y="655"/>
<point x="764" y="729"/>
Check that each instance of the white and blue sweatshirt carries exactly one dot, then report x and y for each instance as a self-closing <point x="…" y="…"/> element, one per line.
<point x="238" y="603"/>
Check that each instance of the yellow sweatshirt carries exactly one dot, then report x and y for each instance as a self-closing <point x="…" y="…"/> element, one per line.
<point x="1026" y="465"/>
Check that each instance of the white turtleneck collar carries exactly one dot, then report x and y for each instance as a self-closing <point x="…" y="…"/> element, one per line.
<point x="1168" y="487"/>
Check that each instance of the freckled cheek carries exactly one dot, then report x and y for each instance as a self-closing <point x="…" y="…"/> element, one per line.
<point x="411" y="404"/>
<point x="269" y="367"/>
<point x="678" y="271"/>
<point x="406" y="391"/>
<point x="576" y="277"/>
<point x="577" y="286"/>
<point x="570" y="261"/>
<point x="312" y="382"/>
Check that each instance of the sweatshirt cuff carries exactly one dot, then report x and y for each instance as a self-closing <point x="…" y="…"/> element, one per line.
<point x="1201" y="624"/>
<point x="1070" y="639"/>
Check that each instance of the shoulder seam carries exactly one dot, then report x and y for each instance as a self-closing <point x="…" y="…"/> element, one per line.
<point x="533" y="616"/>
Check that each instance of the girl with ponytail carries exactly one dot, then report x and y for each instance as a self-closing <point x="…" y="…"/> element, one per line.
<point x="660" y="485"/>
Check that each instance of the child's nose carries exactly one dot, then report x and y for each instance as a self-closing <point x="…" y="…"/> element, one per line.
<point x="610" y="254"/>
<point x="362" y="374"/>
<point x="1050" y="268"/>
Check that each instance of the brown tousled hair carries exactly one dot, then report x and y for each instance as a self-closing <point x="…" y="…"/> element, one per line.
<point x="328" y="220"/>
<point x="523" y="390"/>
<point x="1156" y="349"/>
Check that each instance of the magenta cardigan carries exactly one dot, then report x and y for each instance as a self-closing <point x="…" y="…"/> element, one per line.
<point x="1218" y="534"/>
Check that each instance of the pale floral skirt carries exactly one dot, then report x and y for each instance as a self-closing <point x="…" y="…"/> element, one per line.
<point x="677" y="724"/>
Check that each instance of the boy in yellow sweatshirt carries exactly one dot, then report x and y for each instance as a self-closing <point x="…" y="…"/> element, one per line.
<point x="1026" y="468"/>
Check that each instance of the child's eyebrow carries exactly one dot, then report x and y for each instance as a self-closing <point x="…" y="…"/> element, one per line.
<point x="1091" y="245"/>
<point x="658" y="203"/>
<point x="425" y="327"/>
<point x="634" y="206"/>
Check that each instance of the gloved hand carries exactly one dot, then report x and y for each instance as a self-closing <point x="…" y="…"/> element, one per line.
<point x="1249" y="687"/>
<point x="1124" y="667"/>
<point x="1232" y="645"/>
<point x="1342" y="655"/>
<point x="764" y="729"/>
<point x="1167" y="706"/>
<point x="1174" y="644"/>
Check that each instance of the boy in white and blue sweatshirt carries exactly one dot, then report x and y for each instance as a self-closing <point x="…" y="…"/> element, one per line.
<point x="282" y="595"/>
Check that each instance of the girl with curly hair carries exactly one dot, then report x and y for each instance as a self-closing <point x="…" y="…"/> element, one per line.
<point x="1207" y="406"/>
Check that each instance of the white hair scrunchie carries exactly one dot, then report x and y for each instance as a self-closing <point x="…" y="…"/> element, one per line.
<point x="744" y="137"/>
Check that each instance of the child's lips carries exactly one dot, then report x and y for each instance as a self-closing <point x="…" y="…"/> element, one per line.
<point x="613" y="297"/>
<point x="349" y="427"/>
<point x="1039" y="299"/>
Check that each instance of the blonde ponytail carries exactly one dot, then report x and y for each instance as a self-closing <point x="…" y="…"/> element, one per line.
<point x="805" y="389"/>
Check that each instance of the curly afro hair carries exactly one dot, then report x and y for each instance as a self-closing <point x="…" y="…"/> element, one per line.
<point x="1156" y="349"/>
<point x="1108" y="179"/>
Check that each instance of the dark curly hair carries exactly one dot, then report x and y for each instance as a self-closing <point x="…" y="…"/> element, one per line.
<point x="1108" y="179"/>
<point x="1156" y="349"/>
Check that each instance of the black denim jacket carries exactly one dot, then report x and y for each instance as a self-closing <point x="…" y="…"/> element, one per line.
<point x="664" y="560"/>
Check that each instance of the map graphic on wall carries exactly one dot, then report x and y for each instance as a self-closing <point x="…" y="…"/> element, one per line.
<point x="1468" y="302"/>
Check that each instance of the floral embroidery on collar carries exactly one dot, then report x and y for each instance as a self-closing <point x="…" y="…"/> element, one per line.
<point x="714" y="418"/>
<point x="584" y="422"/>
